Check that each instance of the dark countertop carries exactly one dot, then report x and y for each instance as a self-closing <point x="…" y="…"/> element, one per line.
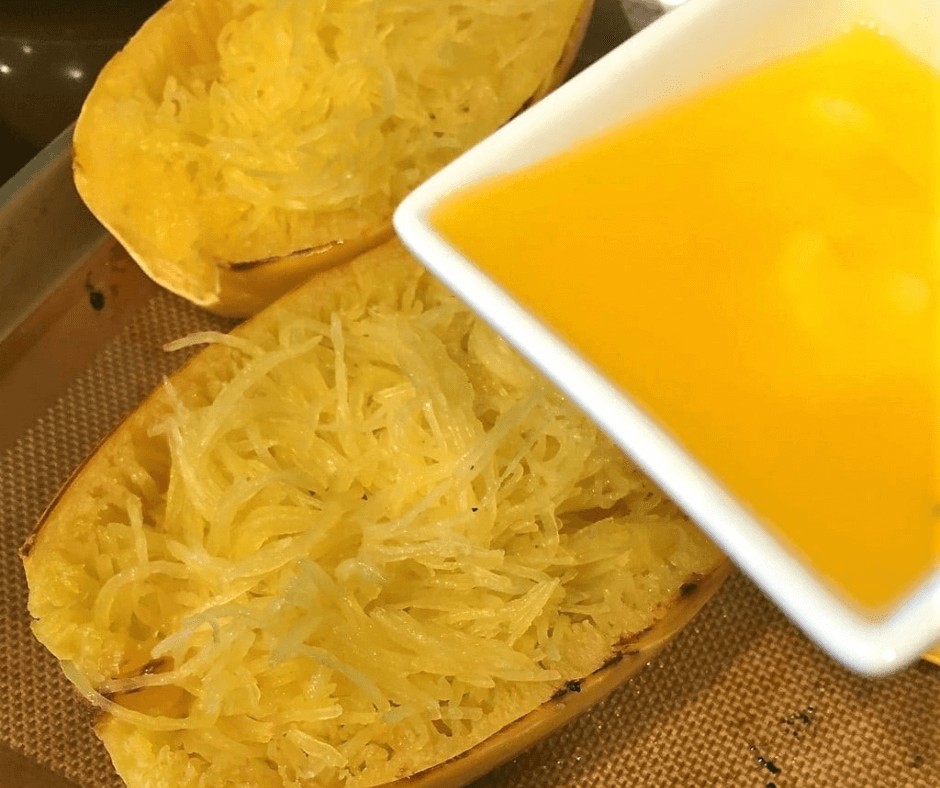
<point x="50" y="53"/>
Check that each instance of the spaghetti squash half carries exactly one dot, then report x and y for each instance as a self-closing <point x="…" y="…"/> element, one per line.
<point x="346" y="543"/>
<point x="234" y="146"/>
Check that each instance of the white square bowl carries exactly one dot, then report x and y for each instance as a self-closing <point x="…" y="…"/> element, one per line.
<point x="698" y="44"/>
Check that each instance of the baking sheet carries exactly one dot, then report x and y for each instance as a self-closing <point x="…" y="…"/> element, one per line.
<point x="740" y="698"/>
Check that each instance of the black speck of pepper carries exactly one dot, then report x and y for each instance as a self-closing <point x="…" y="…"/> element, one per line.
<point x="804" y="718"/>
<point x="95" y="296"/>
<point x="768" y="764"/>
<point x="771" y="785"/>
<point x="917" y="761"/>
<point x="96" y="299"/>
<point x="365" y="496"/>
<point x="474" y="508"/>
<point x="573" y="686"/>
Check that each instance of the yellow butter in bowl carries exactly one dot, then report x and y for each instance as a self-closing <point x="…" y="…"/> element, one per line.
<point x="755" y="266"/>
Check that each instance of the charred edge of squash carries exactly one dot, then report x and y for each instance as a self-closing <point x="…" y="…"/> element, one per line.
<point x="247" y="287"/>
<point x="341" y="249"/>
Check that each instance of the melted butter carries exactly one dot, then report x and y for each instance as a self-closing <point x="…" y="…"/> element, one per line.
<point x="757" y="267"/>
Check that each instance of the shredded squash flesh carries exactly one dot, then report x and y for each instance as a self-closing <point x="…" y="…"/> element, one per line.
<point x="241" y="130"/>
<point x="349" y="541"/>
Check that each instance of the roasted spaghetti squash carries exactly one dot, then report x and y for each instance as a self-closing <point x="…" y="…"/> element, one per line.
<point x="346" y="543"/>
<point x="234" y="146"/>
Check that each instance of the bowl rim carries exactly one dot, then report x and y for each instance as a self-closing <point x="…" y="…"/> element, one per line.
<point x="872" y="644"/>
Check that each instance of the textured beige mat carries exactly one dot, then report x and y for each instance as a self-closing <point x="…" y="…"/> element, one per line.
<point x="740" y="699"/>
